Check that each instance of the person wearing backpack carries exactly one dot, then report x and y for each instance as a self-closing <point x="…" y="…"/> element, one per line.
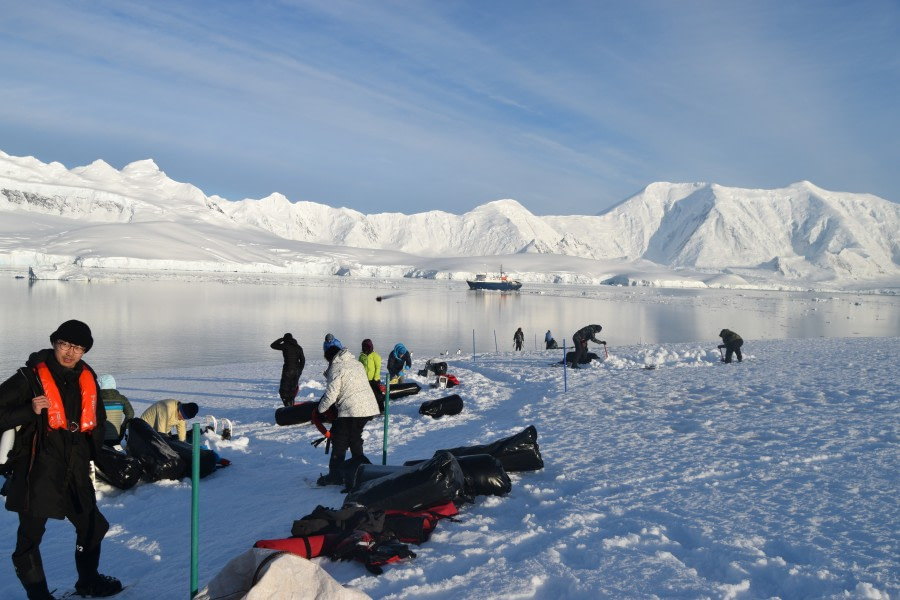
<point x="54" y="402"/>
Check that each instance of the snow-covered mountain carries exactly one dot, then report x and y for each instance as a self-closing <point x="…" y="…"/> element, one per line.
<point x="95" y="220"/>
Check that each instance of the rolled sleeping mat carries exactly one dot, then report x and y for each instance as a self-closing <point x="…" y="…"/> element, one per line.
<point x="296" y="414"/>
<point x="400" y="390"/>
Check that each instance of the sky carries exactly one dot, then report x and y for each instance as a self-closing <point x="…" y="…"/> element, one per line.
<point x="772" y="478"/>
<point x="406" y="107"/>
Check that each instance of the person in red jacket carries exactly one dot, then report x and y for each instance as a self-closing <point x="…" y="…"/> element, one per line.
<point x="54" y="402"/>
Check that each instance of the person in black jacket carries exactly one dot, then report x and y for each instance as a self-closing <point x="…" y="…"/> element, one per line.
<point x="294" y="361"/>
<point x="732" y="345"/>
<point x="54" y="402"/>
<point x="580" y="340"/>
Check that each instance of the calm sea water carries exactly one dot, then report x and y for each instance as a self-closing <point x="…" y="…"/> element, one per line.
<point x="149" y="325"/>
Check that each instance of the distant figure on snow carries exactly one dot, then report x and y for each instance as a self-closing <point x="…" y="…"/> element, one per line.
<point x="580" y="340"/>
<point x="294" y="361"/>
<point x="519" y="339"/>
<point x="732" y="344"/>
<point x="399" y="361"/>
<point x="330" y="340"/>
<point x="371" y="360"/>
<point x="549" y="342"/>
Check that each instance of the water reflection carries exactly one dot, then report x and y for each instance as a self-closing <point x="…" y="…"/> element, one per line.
<point x="145" y="325"/>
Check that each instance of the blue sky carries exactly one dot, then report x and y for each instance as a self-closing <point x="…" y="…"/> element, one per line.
<point x="406" y="106"/>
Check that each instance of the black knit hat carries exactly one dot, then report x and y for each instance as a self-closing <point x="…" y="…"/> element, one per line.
<point x="331" y="352"/>
<point x="188" y="409"/>
<point x="74" y="332"/>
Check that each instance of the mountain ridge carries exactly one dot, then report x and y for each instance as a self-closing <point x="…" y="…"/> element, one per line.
<point x="703" y="232"/>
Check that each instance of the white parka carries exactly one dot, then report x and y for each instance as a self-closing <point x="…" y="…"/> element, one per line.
<point x="347" y="388"/>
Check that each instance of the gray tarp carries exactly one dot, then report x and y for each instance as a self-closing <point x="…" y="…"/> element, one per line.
<point x="284" y="577"/>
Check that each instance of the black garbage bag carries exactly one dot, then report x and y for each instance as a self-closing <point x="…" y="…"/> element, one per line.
<point x="369" y="472"/>
<point x="485" y="475"/>
<point x="435" y="481"/>
<point x="349" y="468"/>
<point x="208" y="458"/>
<point x="117" y="468"/>
<point x="158" y="459"/>
<point x="448" y="405"/>
<point x="519" y="452"/>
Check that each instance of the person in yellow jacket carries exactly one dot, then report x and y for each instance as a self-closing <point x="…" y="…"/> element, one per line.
<point x="166" y="414"/>
<point x="371" y="360"/>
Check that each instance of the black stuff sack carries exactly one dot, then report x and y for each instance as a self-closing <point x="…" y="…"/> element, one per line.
<point x="117" y="468"/>
<point x="519" y="452"/>
<point x="435" y="481"/>
<point x="449" y="405"/>
<point x="158" y="459"/>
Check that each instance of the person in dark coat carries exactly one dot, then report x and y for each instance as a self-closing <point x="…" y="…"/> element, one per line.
<point x="580" y="340"/>
<point x="294" y="361"/>
<point x="519" y="339"/>
<point x="399" y="360"/>
<point x="732" y="344"/>
<point x="53" y="399"/>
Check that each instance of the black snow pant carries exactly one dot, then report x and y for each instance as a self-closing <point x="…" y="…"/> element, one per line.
<point x="290" y="384"/>
<point x="90" y="528"/>
<point x="375" y="384"/>
<point x="733" y="348"/>
<point x="346" y="433"/>
<point x="518" y="345"/>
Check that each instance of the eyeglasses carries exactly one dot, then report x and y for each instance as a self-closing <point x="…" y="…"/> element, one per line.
<point x="66" y="346"/>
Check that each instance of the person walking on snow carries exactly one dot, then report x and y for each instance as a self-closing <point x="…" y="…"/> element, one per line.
<point x="732" y="344"/>
<point x="348" y="390"/>
<point x="580" y="340"/>
<point x="294" y="361"/>
<point x="53" y="402"/>
<point x="519" y="339"/>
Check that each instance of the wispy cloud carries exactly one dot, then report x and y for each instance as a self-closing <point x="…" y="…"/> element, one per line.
<point x="411" y="106"/>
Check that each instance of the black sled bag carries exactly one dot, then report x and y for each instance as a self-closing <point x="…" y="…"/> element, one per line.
<point x="208" y="458"/>
<point x="158" y="459"/>
<point x="484" y="475"/>
<point x="117" y="468"/>
<point x="519" y="452"/>
<point x="448" y="405"/>
<point x="435" y="481"/>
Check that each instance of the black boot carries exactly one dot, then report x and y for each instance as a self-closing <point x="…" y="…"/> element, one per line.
<point x="98" y="586"/>
<point x="38" y="591"/>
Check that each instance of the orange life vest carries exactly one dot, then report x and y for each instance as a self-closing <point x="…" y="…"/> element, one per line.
<point x="56" y="414"/>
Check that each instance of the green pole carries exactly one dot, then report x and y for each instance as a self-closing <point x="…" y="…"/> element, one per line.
<point x="195" y="506"/>
<point x="387" y="404"/>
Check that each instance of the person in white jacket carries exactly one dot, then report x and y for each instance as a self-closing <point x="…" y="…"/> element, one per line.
<point x="347" y="390"/>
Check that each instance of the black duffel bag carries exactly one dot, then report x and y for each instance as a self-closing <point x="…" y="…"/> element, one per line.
<point x="436" y="481"/>
<point x="519" y="452"/>
<point x="449" y="405"/>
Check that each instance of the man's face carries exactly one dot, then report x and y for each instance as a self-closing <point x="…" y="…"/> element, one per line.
<point x="67" y="354"/>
